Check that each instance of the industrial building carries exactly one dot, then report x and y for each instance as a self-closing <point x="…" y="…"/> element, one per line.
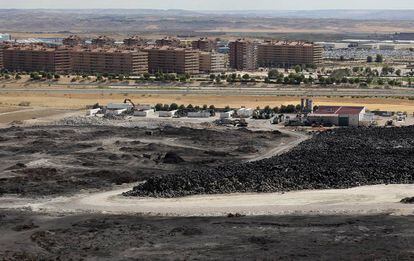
<point x="243" y="55"/>
<point x="73" y="40"/>
<point x="212" y="62"/>
<point x="108" y="60"/>
<point x="403" y="36"/>
<point x="204" y="44"/>
<point x="5" y="37"/>
<point x="173" y="60"/>
<point x="36" y="57"/>
<point x="338" y="115"/>
<point x="287" y="53"/>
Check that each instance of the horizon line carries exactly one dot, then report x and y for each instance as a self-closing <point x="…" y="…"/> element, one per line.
<point x="219" y="10"/>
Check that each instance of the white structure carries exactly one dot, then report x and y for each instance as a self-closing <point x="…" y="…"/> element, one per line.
<point x="199" y="114"/>
<point x="93" y="112"/>
<point x="144" y="113"/>
<point x="116" y="112"/>
<point x="226" y="114"/>
<point x="333" y="45"/>
<point x="5" y="37"/>
<point x="166" y="114"/>
<point x="338" y="115"/>
<point x="143" y="107"/>
<point x="245" y="112"/>
<point x="119" y="106"/>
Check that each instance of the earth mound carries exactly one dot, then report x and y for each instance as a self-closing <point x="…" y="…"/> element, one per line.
<point x="338" y="159"/>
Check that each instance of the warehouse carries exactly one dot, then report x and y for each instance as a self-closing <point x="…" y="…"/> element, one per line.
<point x="338" y="115"/>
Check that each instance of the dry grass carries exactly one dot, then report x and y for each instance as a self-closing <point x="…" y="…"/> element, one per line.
<point x="79" y="101"/>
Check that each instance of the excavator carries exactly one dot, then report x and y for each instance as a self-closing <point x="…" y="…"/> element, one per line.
<point x="133" y="104"/>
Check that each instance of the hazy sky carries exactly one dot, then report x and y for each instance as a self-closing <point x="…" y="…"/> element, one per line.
<point x="212" y="4"/>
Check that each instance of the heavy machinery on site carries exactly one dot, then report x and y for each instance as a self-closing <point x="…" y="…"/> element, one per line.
<point x="241" y="123"/>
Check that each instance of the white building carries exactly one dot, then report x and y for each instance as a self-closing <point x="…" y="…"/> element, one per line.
<point x="5" y="37"/>
<point x="166" y="114"/>
<point x="245" y="112"/>
<point x="199" y="114"/>
<point x="226" y="114"/>
<point x="338" y="115"/>
<point x="144" y="113"/>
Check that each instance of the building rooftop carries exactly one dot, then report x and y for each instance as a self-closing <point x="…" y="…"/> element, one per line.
<point x="338" y="110"/>
<point x="32" y="47"/>
<point x="289" y="43"/>
<point x="104" y="49"/>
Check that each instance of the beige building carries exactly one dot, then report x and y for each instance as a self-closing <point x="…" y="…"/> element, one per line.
<point x="204" y="44"/>
<point x="103" y="41"/>
<point x="168" y="41"/>
<point x="286" y="54"/>
<point x="135" y="41"/>
<point x="73" y="40"/>
<point x="212" y="62"/>
<point x="243" y="55"/>
<point x="1" y="57"/>
<point x="173" y="60"/>
<point x="36" y="57"/>
<point x="109" y="60"/>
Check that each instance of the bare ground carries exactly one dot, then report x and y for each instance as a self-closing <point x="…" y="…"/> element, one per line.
<point x="29" y="236"/>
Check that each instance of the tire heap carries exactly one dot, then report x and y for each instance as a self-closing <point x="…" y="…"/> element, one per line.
<point x="338" y="159"/>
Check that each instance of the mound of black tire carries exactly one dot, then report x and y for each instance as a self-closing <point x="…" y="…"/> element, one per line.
<point x="342" y="158"/>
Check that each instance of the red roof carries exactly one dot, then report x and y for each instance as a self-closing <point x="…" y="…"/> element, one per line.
<point x="350" y="110"/>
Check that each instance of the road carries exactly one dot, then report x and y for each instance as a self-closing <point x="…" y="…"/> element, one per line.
<point x="214" y="90"/>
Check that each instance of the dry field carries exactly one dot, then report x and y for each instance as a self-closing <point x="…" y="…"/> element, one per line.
<point x="79" y="101"/>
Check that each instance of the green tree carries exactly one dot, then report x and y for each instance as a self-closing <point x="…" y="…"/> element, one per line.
<point x="174" y="106"/>
<point x="273" y="74"/>
<point x="158" y="107"/>
<point x="146" y="76"/>
<point x="379" y="58"/>
<point x="370" y="59"/>
<point x="398" y="72"/>
<point x="246" y="77"/>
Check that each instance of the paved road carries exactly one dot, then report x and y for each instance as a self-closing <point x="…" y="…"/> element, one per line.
<point x="224" y="91"/>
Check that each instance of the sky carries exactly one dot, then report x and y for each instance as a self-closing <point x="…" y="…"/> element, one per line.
<point x="211" y="4"/>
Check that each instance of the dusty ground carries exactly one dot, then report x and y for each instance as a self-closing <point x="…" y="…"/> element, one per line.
<point x="29" y="236"/>
<point x="79" y="101"/>
<point x="55" y="160"/>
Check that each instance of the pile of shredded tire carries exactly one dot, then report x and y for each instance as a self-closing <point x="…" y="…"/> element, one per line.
<point x="337" y="159"/>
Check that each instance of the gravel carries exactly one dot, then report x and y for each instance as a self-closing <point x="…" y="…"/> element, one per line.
<point x="338" y="159"/>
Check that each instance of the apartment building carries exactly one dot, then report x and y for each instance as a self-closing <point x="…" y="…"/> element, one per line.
<point x="73" y="40"/>
<point x="103" y="41"/>
<point x="1" y="57"/>
<point x="135" y="41"/>
<point x="204" y="44"/>
<point x="36" y="57"/>
<point x="168" y="41"/>
<point x="243" y="55"/>
<point x="286" y="53"/>
<point x="173" y="60"/>
<point x="212" y="62"/>
<point x="108" y="60"/>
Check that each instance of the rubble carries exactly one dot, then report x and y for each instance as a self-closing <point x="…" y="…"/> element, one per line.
<point x="339" y="159"/>
<point x="407" y="200"/>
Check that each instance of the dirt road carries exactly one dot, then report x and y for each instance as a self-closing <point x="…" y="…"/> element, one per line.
<point x="363" y="200"/>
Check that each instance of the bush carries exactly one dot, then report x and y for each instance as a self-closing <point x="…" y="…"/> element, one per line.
<point x="24" y="104"/>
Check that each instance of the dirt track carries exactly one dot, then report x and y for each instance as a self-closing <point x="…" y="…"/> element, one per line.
<point x="381" y="199"/>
